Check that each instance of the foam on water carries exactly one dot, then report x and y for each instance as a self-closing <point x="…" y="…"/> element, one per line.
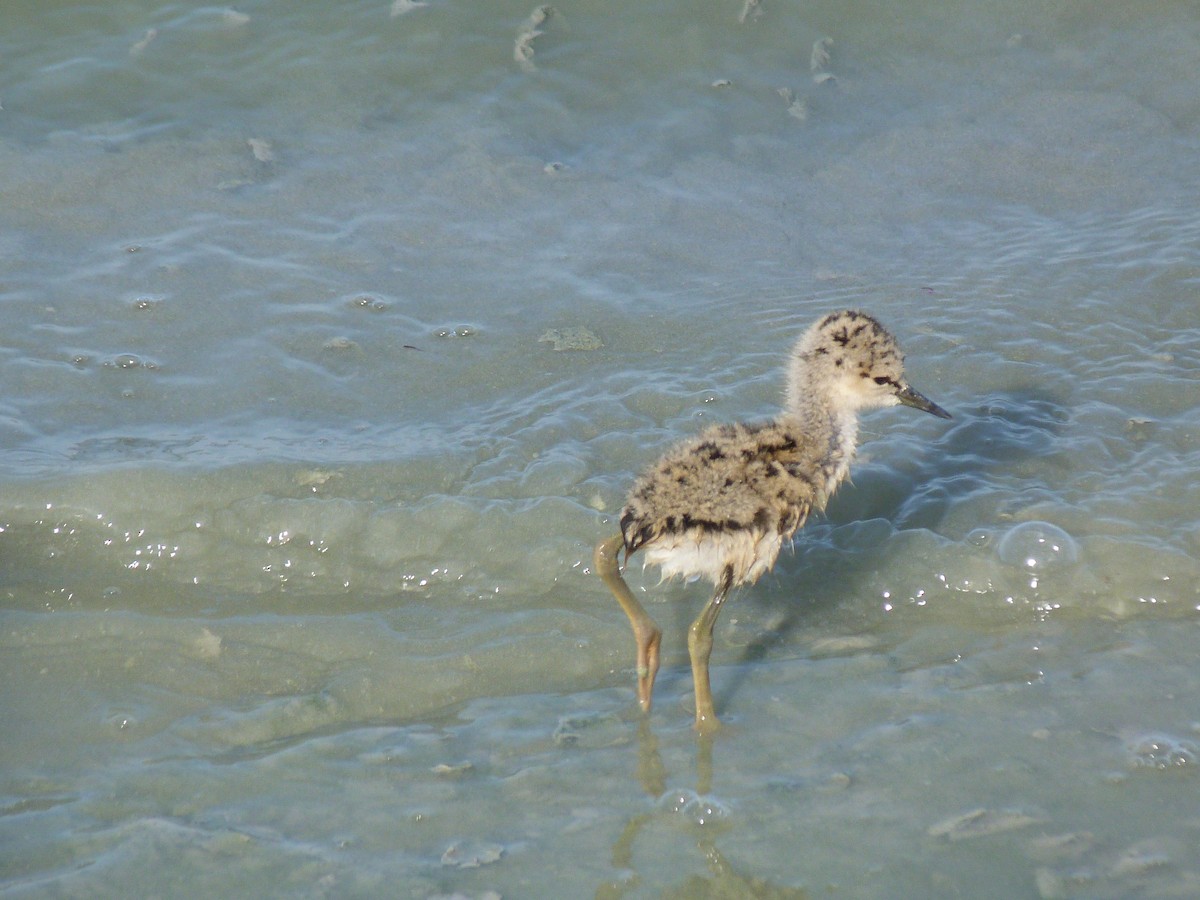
<point x="300" y="489"/>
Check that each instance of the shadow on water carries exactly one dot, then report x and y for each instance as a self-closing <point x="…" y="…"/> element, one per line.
<point x="1000" y="433"/>
<point x="722" y="879"/>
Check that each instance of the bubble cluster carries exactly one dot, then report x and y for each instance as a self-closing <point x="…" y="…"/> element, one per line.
<point x="456" y="331"/>
<point x="693" y="808"/>
<point x="369" y="302"/>
<point x="1160" y="751"/>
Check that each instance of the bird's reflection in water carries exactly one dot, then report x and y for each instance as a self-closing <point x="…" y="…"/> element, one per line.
<point x="704" y="819"/>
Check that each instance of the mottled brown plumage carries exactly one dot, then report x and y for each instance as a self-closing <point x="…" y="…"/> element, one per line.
<point x="721" y="505"/>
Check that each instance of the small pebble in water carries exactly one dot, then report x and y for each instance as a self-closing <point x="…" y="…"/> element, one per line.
<point x="819" y="58"/>
<point x="150" y="35"/>
<point x="1068" y="845"/>
<point x="590" y="731"/>
<point x="261" y="149"/>
<point x="523" y="46"/>
<point x="455" y="770"/>
<point x="400" y="7"/>
<point x="573" y="337"/>
<point x="1139" y="860"/>
<point x="750" y="11"/>
<point x="207" y="645"/>
<point x="797" y="106"/>
<point x="981" y="822"/>
<point x="1139" y="428"/>
<point x="471" y="855"/>
<point x="313" y="478"/>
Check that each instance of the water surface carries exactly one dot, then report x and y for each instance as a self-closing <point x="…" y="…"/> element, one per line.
<point x="334" y="338"/>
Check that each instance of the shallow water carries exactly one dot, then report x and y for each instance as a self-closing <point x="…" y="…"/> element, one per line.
<point x="334" y="338"/>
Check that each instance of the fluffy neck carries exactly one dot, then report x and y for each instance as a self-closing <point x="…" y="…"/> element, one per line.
<point x="827" y="420"/>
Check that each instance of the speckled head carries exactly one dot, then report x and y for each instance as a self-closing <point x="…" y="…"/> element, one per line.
<point x="850" y="362"/>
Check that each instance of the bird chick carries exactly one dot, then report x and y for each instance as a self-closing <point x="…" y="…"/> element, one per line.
<point x="721" y="505"/>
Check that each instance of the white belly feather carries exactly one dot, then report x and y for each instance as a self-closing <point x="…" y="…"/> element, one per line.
<point x="700" y="554"/>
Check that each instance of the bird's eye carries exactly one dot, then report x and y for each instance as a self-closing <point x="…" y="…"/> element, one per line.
<point x="883" y="379"/>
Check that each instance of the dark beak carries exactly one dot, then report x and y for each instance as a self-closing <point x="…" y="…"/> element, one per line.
<point x="917" y="400"/>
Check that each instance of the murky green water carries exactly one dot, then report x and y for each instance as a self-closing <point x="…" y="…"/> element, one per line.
<point x="333" y="339"/>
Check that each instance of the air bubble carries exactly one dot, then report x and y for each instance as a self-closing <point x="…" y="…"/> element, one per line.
<point x="1038" y="547"/>
<point x="979" y="537"/>
<point x="122" y="721"/>
<point x="129" y="361"/>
